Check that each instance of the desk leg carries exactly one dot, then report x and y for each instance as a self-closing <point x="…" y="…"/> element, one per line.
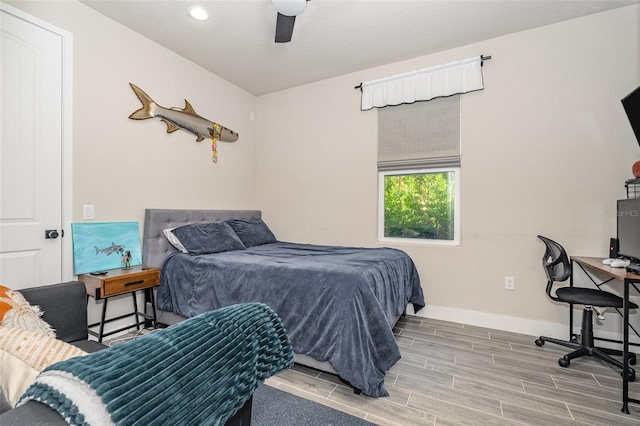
<point x="625" y="349"/>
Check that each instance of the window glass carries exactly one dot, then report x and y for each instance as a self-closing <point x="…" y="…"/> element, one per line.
<point x="420" y="205"/>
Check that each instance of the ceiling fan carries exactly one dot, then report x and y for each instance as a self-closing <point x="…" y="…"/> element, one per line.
<point x="287" y="12"/>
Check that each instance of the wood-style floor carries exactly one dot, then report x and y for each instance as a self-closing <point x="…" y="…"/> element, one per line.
<point x="455" y="374"/>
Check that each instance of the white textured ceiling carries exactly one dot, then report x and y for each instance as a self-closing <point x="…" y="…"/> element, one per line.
<point x="331" y="37"/>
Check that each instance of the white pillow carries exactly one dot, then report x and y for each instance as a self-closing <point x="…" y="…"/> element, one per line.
<point x="23" y="354"/>
<point x="174" y="240"/>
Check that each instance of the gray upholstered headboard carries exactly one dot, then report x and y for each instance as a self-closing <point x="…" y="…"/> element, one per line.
<point x="155" y="247"/>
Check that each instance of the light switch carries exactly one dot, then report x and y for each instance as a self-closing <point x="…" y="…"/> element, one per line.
<point x="88" y="211"/>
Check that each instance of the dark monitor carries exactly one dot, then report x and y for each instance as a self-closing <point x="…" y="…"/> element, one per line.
<point x="628" y="218"/>
<point x="631" y="104"/>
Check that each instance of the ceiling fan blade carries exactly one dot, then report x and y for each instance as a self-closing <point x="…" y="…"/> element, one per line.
<point x="284" y="28"/>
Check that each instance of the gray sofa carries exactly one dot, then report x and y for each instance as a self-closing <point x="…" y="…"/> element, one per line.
<point x="64" y="307"/>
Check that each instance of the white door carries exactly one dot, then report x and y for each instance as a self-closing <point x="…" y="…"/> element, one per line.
<point x="32" y="126"/>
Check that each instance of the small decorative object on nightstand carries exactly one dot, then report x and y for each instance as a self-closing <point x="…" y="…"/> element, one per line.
<point x="116" y="282"/>
<point x="126" y="260"/>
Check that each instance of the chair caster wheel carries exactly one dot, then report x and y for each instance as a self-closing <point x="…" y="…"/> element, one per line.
<point x="564" y="362"/>
<point x="539" y="342"/>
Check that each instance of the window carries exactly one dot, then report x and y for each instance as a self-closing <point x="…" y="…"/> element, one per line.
<point x="420" y="205"/>
<point x="419" y="172"/>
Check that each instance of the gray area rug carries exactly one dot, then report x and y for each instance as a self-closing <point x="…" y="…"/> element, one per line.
<point x="273" y="407"/>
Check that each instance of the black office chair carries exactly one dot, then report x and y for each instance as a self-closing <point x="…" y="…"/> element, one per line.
<point x="558" y="268"/>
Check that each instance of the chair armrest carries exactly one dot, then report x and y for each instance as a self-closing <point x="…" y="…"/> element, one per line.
<point x="64" y="307"/>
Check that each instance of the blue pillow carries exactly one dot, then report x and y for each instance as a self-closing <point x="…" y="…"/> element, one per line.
<point x="207" y="238"/>
<point x="252" y="232"/>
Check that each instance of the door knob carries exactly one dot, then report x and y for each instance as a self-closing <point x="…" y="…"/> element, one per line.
<point x="51" y="234"/>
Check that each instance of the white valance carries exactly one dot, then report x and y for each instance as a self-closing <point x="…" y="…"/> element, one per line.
<point x="423" y="85"/>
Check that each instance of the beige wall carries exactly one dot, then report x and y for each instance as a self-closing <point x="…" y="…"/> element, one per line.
<point x="546" y="149"/>
<point x="123" y="166"/>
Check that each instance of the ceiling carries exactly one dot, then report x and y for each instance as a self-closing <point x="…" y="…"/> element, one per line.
<point x="330" y="37"/>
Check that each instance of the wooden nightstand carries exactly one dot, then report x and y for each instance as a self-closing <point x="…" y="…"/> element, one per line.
<point x="116" y="282"/>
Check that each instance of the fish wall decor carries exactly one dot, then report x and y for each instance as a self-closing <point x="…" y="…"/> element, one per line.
<point x="114" y="248"/>
<point x="185" y="119"/>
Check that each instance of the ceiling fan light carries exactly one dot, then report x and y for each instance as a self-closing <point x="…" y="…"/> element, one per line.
<point x="198" y="13"/>
<point x="289" y="7"/>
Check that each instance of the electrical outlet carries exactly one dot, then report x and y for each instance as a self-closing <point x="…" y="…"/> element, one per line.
<point x="509" y="283"/>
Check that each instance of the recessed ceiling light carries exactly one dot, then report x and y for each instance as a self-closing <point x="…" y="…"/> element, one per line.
<point x="198" y="13"/>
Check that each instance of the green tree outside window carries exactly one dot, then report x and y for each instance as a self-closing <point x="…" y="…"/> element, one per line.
<point x="419" y="205"/>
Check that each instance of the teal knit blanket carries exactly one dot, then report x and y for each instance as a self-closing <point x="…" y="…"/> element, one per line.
<point x="197" y="372"/>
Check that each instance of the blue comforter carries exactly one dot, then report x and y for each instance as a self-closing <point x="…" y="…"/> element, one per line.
<point x="338" y="304"/>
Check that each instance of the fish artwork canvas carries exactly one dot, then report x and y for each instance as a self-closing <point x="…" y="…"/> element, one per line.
<point x="185" y="119"/>
<point x="100" y="246"/>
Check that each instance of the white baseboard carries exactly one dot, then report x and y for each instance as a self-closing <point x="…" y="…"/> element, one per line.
<point x="522" y="325"/>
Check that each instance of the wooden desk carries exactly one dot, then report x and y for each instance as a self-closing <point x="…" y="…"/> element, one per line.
<point x="117" y="282"/>
<point x="630" y="280"/>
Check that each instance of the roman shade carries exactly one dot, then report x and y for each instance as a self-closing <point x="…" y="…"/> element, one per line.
<point x="415" y="136"/>
<point x="423" y="85"/>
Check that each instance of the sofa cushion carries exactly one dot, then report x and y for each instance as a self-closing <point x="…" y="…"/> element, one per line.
<point x="32" y="413"/>
<point x="64" y="306"/>
<point x="16" y="312"/>
<point x="23" y="355"/>
<point x="89" y="346"/>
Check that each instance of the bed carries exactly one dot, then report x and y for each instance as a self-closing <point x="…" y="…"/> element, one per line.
<point x="338" y="304"/>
